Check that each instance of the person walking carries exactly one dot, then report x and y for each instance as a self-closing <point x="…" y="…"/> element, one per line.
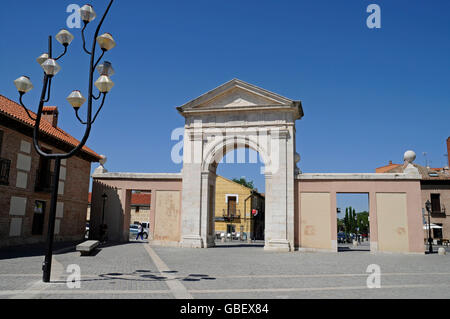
<point x="141" y="232"/>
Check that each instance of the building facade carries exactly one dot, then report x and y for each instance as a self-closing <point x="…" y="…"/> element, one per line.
<point x="139" y="207"/>
<point x="238" y="209"/>
<point x="435" y="187"/>
<point x="25" y="179"/>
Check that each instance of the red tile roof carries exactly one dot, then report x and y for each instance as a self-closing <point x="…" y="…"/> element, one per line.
<point x="141" y="199"/>
<point x="15" y="111"/>
<point x="441" y="174"/>
<point x="49" y="108"/>
<point x="387" y="168"/>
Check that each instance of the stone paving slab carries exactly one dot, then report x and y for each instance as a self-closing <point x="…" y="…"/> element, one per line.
<point x="233" y="270"/>
<point x="138" y="271"/>
<point x="253" y="261"/>
<point x="363" y="293"/>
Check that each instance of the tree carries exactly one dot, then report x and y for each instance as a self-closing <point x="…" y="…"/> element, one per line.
<point x="363" y="222"/>
<point x="346" y="221"/>
<point x="340" y="225"/>
<point x="350" y="220"/>
<point x="244" y="182"/>
<point x="354" y="222"/>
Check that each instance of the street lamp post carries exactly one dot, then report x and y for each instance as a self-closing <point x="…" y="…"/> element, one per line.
<point x="105" y="197"/>
<point x="430" y="240"/>
<point x="103" y="227"/>
<point x="76" y="99"/>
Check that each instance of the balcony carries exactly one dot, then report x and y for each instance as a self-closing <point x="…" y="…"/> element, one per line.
<point x="5" y="165"/>
<point x="231" y="216"/>
<point x="43" y="181"/>
<point x="438" y="212"/>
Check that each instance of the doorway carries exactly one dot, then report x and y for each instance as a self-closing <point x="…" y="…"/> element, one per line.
<point x="353" y="222"/>
<point x="38" y="218"/>
<point x="238" y="189"/>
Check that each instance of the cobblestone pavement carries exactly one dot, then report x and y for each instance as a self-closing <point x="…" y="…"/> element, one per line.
<point x="231" y="270"/>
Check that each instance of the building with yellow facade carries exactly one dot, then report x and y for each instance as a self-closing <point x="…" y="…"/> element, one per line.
<point x="239" y="210"/>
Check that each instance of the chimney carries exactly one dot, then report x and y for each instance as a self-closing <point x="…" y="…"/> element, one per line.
<point x="50" y="114"/>
<point x="448" y="150"/>
<point x="390" y="162"/>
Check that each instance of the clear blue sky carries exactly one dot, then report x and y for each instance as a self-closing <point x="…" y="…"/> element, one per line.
<point x="368" y="94"/>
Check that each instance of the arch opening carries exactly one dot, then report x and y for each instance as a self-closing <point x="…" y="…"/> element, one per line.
<point x="236" y="199"/>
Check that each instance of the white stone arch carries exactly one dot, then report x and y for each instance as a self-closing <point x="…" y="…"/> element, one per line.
<point x="214" y="152"/>
<point x="245" y="113"/>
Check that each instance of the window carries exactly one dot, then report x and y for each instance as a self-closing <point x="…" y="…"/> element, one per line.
<point x="437" y="232"/>
<point x="44" y="174"/>
<point x="5" y="165"/>
<point x="231" y="229"/>
<point x="435" y="203"/>
<point x="38" y="218"/>
<point x="137" y="209"/>
<point x="231" y="206"/>
<point x="1" y="140"/>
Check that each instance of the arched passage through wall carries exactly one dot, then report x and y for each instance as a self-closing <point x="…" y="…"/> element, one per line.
<point x="232" y="213"/>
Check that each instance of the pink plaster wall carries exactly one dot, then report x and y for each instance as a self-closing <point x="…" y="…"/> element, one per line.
<point x="152" y="185"/>
<point x="371" y="187"/>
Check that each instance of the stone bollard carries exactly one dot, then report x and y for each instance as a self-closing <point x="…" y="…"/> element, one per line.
<point x="441" y="251"/>
<point x="222" y="240"/>
<point x="355" y="243"/>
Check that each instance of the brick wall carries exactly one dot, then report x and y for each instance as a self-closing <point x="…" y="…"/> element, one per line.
<point x="16" y="219"/>
<point x="142" y="216"/>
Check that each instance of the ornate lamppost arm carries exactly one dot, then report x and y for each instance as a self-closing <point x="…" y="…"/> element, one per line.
<point x="90" y="97"/>
<point x="51" y="68"/>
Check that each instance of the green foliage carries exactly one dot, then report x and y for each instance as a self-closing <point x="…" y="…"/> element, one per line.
<point x="244" y="182"/>
<point x="363" y="222"/>
<point x="356" y="223"/>
<point x="340" y="225"/>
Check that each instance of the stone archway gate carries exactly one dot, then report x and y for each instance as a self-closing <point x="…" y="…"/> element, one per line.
<point x="237" y="115"/>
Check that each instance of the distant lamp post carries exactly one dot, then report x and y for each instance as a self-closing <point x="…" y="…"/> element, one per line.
<point x="105" y="197"/>
<point x="430" y="240"/>
<point x="51" y="68"/>
<point x="103" y="226"/>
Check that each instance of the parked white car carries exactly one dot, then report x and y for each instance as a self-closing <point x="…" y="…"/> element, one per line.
<point x="134" y="230"/>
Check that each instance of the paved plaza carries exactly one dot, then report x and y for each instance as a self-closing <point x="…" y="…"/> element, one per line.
<point x="231" y="270"/>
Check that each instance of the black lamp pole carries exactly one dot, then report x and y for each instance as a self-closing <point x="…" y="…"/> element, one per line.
<point x="430" y="240"/>
<point x="24" y="85"/>
<point x="105" y="197"/>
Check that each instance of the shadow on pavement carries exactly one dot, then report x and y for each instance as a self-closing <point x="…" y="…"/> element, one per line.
<point x="238" y="245"/>
<point x="142" y="276"/>
<point x="347" y="249"/>
<point x="39" y="249"/>
<point x="33" y="250"/>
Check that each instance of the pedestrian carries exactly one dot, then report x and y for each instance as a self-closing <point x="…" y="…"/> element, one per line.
<point x="141" y="232"/>
<point x="103" y="233"/>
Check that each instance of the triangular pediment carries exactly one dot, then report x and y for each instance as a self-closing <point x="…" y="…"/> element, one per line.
<point x="236" y="94"/>
<point x="237" y="97"/>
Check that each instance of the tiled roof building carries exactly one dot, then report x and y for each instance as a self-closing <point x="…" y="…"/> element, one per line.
<point x="26" y="178"/>
<point x="435" y="187"/>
